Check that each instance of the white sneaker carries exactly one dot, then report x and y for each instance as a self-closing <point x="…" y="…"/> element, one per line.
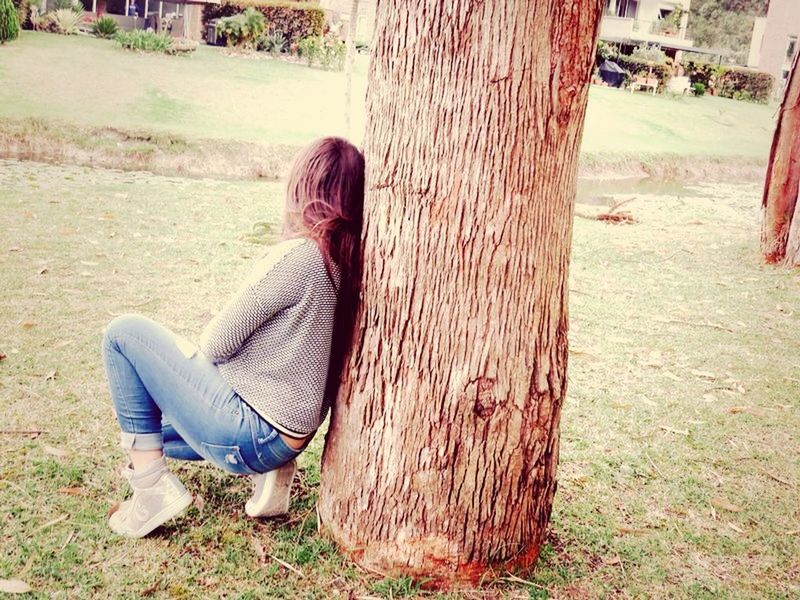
<point x="272" y="491"/>
<point x="150" y="507"/>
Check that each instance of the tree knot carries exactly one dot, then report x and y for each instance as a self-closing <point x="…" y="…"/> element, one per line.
<point x="482" y="390"/>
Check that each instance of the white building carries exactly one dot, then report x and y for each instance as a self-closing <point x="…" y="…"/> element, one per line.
<point x="636" y="22"/>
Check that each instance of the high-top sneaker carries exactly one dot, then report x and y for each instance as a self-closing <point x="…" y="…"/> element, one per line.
<point x="271" y="492"/>
<point x="158" y="496"/>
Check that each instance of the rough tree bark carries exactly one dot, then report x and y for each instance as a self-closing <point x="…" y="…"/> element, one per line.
<point x="780" y="232"/>
<point x="441" y="456"/>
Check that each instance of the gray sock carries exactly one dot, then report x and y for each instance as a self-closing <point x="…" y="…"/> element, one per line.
<point x="149" y="476"/>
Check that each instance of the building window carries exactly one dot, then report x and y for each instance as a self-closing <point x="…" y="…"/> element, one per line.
<point x="791" y="50"/>
<point x="625" y="9"/>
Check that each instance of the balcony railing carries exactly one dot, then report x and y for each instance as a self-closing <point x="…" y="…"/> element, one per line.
<point x="622" y="27"/>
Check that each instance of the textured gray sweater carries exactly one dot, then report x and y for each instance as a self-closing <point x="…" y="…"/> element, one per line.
<point x="272" y="341"/>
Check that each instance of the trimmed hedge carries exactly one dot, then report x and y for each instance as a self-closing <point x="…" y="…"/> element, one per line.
<point x="732" y="82"/>
<point x="294" y="20"/>
<point x="636" y="66"/>
<point x="746" y="84"/>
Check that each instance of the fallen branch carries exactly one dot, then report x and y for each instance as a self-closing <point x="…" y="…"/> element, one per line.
<point x="608" y="217"/>
<point x="22" y="431"/>
<point x="611" y="215"/>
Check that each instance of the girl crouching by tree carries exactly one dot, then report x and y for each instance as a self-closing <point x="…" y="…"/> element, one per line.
<point x="251" y="396"/>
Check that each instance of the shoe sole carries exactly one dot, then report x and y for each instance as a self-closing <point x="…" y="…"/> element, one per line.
<point x="165" y="514"/>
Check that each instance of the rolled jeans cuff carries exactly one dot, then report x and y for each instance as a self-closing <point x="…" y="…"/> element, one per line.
<point x="141" y="441"/>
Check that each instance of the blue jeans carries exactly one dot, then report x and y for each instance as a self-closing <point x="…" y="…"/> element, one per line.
<point x="168" y="395"/>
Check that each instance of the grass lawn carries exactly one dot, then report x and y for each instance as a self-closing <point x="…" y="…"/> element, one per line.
<point x="91" y="82"/>
<point x="680" y="471"/>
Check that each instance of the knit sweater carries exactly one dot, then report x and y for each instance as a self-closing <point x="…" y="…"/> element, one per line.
<point x="272" y="341"/>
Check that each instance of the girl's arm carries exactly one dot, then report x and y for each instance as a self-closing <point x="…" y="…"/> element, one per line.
<point x="274" y="284"/>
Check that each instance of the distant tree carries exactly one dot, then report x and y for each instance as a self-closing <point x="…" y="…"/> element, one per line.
<point x="780" y="233"/>
<point x="725" y="24"/>
<point x="9" y="21"/>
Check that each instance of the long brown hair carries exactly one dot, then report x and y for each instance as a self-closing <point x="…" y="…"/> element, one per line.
<point x="325" y="202"/>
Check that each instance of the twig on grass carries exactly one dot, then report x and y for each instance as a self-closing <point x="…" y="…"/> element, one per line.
<point x="611" y="215"/>
<point x="652" y="464"/>
<point x="616" y="205"/>
<point x="772" y="475"/>
<point x="287" y="565"/>
<point x="514" y="579"/>
<point x="152" y="589"/>
<point x="370" y="570"/>
<point x="671" y="430"/>
<point x="50" y="523"/>
<point x="69" y="539"/>
<point x="303" y="524"/>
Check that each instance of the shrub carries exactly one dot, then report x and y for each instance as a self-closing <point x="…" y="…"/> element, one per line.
<point x="605" y="51"/>
<point x="105" y="27"/>
<point x="242" y="30"/>
<point x="702" y="72"/>
<point x="746" y="84"/>
<point x="272" y="42"/>
<point x="9" y="22"/>
<point x="183" y="46"/>
<point x="699" y="89"/>
<point x="145" y="41"/>
<point x="293" y="20"/>
<point x="328" y="51"/>
<point x="637" y="66"/>
<point x="652" y="54"/>
<point x="26" y="10"/>
<point x="64" y="21"/>
<point x="72" y="5"/>
<point x="731" y="82"/>
<point x="37" y="19"/>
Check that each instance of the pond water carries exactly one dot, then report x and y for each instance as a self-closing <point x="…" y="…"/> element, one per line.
<point x="607" y="191"/>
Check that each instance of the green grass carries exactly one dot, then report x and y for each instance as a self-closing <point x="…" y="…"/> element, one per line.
<point x="93" y="83"/>
<point x="684" y="386"/>
<point x="618" y="122"/>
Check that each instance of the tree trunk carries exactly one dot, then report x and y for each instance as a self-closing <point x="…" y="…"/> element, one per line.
<point x="780" y="236"/>
<point x="349" y="63"/>
<point x="441" y="456"/>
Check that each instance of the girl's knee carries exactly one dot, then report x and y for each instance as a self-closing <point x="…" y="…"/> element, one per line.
<point x="123" y="324"/>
